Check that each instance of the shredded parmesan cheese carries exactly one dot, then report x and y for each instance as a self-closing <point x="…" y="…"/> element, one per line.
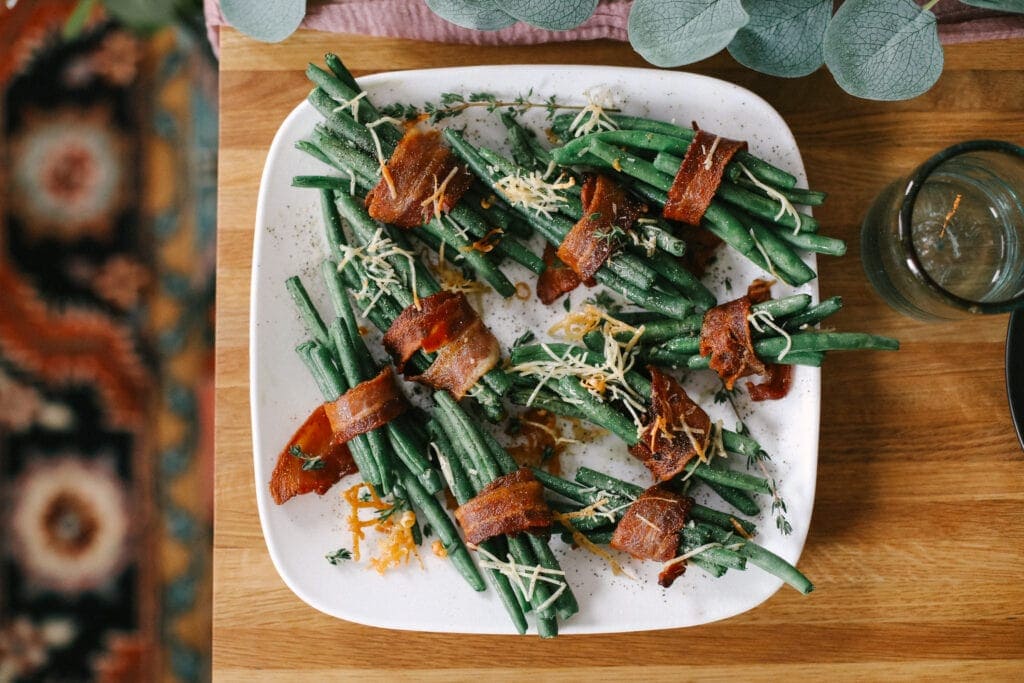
<point x="352" y="104"/>
<point x="381" y="163"/>
<point x="375" y="268"/>
<point x="687" y="555"/>
<point x="516" y="573"/>
<point x="764" y="253"/>
<point x="785" y="206"/>
<point x="758" y="318"/>
<point x="533" y="192"/>
<point x="438" y="197"/>
<point x="709" y="154"/>
<point x="592" y="117"/>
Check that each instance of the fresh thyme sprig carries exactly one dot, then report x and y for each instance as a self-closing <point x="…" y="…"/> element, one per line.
<point x="309" y="462"/>
<point x="338" y="556"/>
<point x="453" y="104"/>
<point x="758" y="458"/>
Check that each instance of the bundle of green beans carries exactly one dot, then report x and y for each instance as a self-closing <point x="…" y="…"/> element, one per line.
<point x="655" y="282"/>
<point x="382" y="303"/>
<point x="392" y="458"/>
<point x="753" y="210"/>
<point x="781" y="329"/>
<point x="712" y="533"/>
<point x="568" y="397"/>
<point x="471" y="459"/>
<point x="345" y="142"/>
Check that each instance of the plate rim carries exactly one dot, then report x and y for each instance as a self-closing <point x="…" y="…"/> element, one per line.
<point x="381" y="79"/>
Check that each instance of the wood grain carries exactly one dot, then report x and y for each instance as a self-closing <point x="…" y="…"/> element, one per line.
<point x="916" y="544"/>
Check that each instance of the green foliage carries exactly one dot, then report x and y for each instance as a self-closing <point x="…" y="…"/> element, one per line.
<point x="783" y="37"/>
<point x="482" y="15"/>
<point x="883" y="49"/>
<point x="268" y="20"/>
<point x="677" y="32"/>
<point x="554" y="16"/>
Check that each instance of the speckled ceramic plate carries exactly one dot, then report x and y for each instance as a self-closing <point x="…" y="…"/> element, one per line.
<point x="289" y="240"/>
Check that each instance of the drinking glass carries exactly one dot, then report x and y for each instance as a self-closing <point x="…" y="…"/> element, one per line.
<point x="948" y="240"/>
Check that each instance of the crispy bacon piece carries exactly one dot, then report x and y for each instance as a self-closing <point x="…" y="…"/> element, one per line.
<point x="445" y="323"/>
<point x="725" y="336"/>
<point x="510" y="504"/>
<point x="557" y="278"/>
<point x="777" y="383"/>
<point x="439" y="318"/>
<point x="699" y="176"/>
<point x="677" y="429"/>
<point x="650" y="528"/>
<point x="419" y="166"/>
<point x="366" y="406"/>
<point x="606" y="208"/>
<point x="314" y="438"/>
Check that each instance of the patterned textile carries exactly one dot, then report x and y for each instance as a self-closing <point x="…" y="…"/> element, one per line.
<point x="107" y="209"/>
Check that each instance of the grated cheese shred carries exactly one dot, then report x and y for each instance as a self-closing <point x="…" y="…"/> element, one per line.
<point x="533" y="192"/>
<point x="785" y="206"/>
<point x="759" y="318"/>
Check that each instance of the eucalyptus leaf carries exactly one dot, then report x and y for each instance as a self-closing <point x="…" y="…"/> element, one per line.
<point x="883" y="49"/>
<point x="783" y="37"/>
<point x="268" y="20"/>
<point x="555" y="15"/>
<point x="676" y="32"/>
<point x="1001" y="5"/>
<point x="142" y="15"/>
<point x="482" y="15"/>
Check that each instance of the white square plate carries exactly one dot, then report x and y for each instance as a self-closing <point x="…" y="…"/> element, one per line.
<point x="289" y="240"/>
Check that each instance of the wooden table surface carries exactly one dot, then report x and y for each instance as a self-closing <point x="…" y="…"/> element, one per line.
<point x="917" y="541"/>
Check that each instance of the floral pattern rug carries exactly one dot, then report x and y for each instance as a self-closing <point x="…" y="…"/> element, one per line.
<point x="107" y="214"/>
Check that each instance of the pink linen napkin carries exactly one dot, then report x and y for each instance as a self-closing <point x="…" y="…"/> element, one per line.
<point x="958" y="23"/>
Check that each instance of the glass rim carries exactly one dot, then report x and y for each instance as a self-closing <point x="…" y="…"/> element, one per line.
<point x="905" y="224"/>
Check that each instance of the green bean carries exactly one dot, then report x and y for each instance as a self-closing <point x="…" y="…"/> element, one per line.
<point x="765" y="559"/>
<point x="727" y="477"/>
<point x="765" y="208"/>
<point x="739" y="499"/>
<point x="307" y="311"/>
<point x="322" y="182"/>
<point x="788" y="266"/>
<point x="795" y="195"/>
<point x="715" y="570"/>
<point x="647" y="140"/>
<point x="814" y="314"/>
<point x="602" y="481"/>
<point x="809" y="241"/>
<point x="546" y="400"/>
<point x="598" y="412"/>
<point x="721" y="519"/>
<point x="445" y="530"/>
<point x="341" y="123"/>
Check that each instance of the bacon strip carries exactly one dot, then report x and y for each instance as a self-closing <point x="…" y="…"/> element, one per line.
<point x="314" y="438"/>
<point x="650" y="528"/>
<point x="776" y="385"/>
<point x="699" y="176"/>
<point x="677" y="429"/>
<point x="445" y="323"/>
<point x="606" y="208"/>
<point x="556" y="279"/>
<point x="419" y="165"/>
<point x="366" y="406"/>
<point x="440" y="318"/>
<point x="725" y="337"/>
<point x="510" y="504"/>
